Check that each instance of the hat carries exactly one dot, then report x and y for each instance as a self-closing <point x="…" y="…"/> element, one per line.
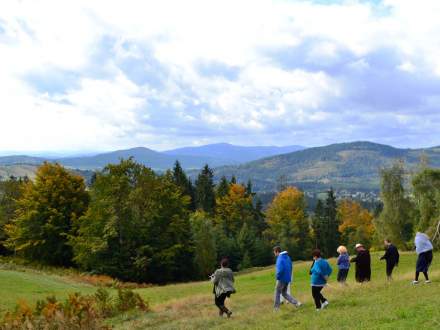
<point x="358" y="245"/>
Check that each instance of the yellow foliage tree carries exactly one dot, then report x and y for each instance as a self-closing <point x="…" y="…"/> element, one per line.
<point x="234" y="210"/>
<point x="356" y="223"/>
<point x="288" y="224"/>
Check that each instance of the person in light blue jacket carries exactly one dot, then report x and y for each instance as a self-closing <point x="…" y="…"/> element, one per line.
<point x="283" y="275"/>
<point x="320" y="273"/>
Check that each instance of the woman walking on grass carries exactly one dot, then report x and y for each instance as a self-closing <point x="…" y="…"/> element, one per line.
<point x="343" y="264"/>
<point x="363" y="264"/>
<point x="223" y="279"/>
<point x="319" y="272"/>
<point x="424" y="250"/>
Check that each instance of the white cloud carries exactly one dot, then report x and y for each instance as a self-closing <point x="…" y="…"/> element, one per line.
<point x="296" y="67"/>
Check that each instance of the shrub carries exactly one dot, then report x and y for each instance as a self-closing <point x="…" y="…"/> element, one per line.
<point x="76" y="312"/>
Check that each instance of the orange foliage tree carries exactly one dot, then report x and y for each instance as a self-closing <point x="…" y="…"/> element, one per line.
<point x="356" y="223"/>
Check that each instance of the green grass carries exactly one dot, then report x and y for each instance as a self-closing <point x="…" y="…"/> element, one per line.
<point x="376" y="305"/>
<point x="31" y="286"/>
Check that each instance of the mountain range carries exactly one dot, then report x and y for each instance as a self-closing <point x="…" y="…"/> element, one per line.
<point x="190" y="157"/>
<point x="351" y="166"/>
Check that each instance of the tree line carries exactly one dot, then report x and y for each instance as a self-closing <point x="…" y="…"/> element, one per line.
<point x="137" y="225"/>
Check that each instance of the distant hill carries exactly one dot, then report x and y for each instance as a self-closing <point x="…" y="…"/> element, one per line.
<point x="232" y="154"/>
<point x="343" y="166"/>
<point x="190" y="158"/>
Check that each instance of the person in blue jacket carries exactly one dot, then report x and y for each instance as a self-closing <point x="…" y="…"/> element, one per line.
<point x="319" y="272"/>
<point x="283" y="275"/>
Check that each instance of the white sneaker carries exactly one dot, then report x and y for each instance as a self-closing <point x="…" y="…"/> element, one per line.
<point x="415" y="282"/>
<point x="428" y="281"/>
<point x="298" y="304"/>
<point x="324" y="304"/>
<point x="318" y="309"/>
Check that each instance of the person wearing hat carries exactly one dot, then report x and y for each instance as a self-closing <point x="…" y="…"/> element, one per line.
<point x="363" y="264"/>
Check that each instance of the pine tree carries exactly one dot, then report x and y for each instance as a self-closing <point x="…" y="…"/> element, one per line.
<point x="330" y="226"/>
<point x="204" y="192"/>
<point x="233" y="180"/>
<point x="223" y="187"/>
<point x="181" y="180"/>
<point x="317" y="224"/>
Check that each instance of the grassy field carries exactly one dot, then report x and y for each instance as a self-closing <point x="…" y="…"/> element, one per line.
<point x="376" y="305"/>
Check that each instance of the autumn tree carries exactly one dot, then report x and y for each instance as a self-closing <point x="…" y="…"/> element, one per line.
<point x="356" y="224"/>
<point x="11" y="191"/>
<point x="288" y="224"/>
<point x="46" y="215"/>
<point x="234" y="210"/>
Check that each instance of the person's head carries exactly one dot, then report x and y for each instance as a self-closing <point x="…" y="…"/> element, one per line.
<point x="387" y="242"/>
<point x="224" y="263"/>
<point x="359" y="247"/>
<point x="277" y="251"/>
<point x="316" y="254"/>
<point x="341" y="249"/>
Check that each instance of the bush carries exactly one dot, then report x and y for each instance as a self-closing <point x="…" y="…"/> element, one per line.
<point x="77" y="312"/>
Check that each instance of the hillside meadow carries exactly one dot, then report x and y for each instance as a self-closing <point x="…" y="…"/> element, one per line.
<point x="376" y="305"/>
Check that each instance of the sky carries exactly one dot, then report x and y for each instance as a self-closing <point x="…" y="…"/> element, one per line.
<point x="83" y="76"/>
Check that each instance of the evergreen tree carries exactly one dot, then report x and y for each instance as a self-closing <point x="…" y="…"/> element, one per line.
<point x="223" y="187"/>
<point x="181" y="180"/>
<point x="204" y="192"/>
<point x="246" y="243"/>
<point x="329" y="228"/>
<point x="249" y="191"/>
<point x="47" y="213"/>
<point x="317" y="223"/>
<point x="233" y="180"/>
<point x="260" y="220"/>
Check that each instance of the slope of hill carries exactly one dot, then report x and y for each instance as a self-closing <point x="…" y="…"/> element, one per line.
<point x="7" y="171"/>
<point x="346" y="166"/>
<point x="20" y="159"/>
<point x="375" y="305"/>
<point x="231" y="154"/>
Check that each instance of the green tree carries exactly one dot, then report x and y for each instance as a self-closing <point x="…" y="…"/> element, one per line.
<point x="222" y="187"/>
<point x="395" y="220"/>
<point x="204" y="191"/>
<point x="317" y="223"/>
<point x="11" y="191"/>
<point x="330" y="235"/>
<point x="426" y="186"/>
<point x="136" y="228"/>
<point x="184" y="183"/>
<point x="46" y="214"/>
<point x="205" y="253"/>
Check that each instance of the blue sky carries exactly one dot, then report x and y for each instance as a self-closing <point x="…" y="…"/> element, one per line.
<point x="81" y="76"/>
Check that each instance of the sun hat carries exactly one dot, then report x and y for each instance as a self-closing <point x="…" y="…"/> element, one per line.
<point x="358" y="245"/>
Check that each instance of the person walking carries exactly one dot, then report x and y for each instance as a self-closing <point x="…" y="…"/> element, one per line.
<point x="223" y="279"/>
<point x="320" y="272"/>
<point x="424" y="251"/>
<point x="363" y="264"/>
<point x="343" y="263"/>
<point x="391" y="257"/>
<point x="283" y="274"/>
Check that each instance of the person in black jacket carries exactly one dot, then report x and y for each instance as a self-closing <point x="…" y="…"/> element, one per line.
<point x="391" y="257"/>
<point x="363" y="264"/>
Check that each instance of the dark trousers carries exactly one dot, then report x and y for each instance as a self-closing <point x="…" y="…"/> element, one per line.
<point x="342" y="275"/>
<point x="220" y="302"/>
<point x="390" y="268"/>
<point x="317" y="296"/>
